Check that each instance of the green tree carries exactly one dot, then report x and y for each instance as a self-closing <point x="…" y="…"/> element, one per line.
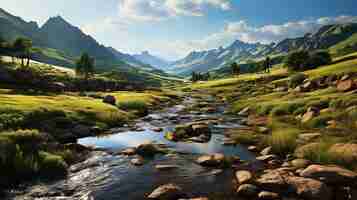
<point x="267" y="65"/>
<point x="297" y="60"/>
<point x="318" y="59"/>
<point x="85" y="66"/>
<point x="235" y="68"/>
<point x="22" y="48"/>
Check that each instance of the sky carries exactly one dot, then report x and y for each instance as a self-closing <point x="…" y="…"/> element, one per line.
<point x="172" y="28"/>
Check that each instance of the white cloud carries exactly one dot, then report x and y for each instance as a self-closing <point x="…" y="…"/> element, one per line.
<point x="156" y="10"/>
<point x="241" y="30"/>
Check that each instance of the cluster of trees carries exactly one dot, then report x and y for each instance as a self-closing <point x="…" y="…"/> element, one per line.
<point x="21" y="48"/>
<point x="235" y="69"/>
<point x="85" y="66"/>
<point x="200" y="76"/>
<point x="304" y="60"/>
<point x="252" y="67"/>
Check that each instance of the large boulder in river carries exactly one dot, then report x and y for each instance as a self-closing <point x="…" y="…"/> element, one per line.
<point x="167" y="192"/>
<point x="148" y="149"/>
<point x="214" y="160"/>
<point x="109" y="99"/>
<point x="334" y="175"/>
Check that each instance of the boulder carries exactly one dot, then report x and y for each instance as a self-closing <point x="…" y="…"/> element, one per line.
<point x="138" y="161"/>
<point x="265" y="195"/>
<point x="334" y="175"/>
<point x="166" y="167"/>
<point x="244" y="176"/>
<point x="310" y="114"/>
<point x="128" y="152"/>
<point x="109" y="99"/>
<point x="304" y="150"/>
<point x="248" y="190"/>
<point x="344" y="86"/>
<point x="266" y="158"/>
<point x="308" y="188"/>
<point x="263" y="130"/>
<point x="281" y="89"/>
<point x="253" y="148"/>
<point x="244" y="112"/>
<point x="148" y="149"/>
<point x="167" y="192"/>
<point x="266" y="151"/>
<point x="273" y="181"/>
<point x="214" y="160"/>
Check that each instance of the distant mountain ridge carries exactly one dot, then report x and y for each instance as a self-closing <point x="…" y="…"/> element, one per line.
<point x="154" y="61"/>
<point x="60" y="35"/>
<point x="202" y="61"/>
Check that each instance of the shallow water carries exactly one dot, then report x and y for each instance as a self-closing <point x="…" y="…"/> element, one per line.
<point x="107" y="176"/>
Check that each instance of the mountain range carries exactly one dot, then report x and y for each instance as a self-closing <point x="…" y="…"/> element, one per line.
<point x="62" y="43"/>
<point x="155" y="61"/>
<point x="327" y="37"/>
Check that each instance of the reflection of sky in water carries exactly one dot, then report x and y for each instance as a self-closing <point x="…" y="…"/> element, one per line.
<point x="132" y="139"/>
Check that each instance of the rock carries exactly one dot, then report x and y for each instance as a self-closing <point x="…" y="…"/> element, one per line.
<point x="281" y="89"/>
<point x="344" y="86"/>
<point x="229" y="142"/>
<point x="244" y="176"/>
<point x="244" y="112"/>
<point x="109" y="99"/>
<point x="300" y="163"/>
<point x="77" y="147"/>
<point x="210" y="110"/>
<point x="266" y="158"/>
<point x="266" y="151"/>
<point x="332" y="124"/>
<point x="265" y="195"/>
<point x="345" y="151"/>
<point x="128" y="152"/>
<point x="308" y="188"/>
<point x="330" y="174"/>
<point x="211" y="160"/>
<point x="345" y="77"/>
<point x="247" y="190"/>
<point x="200" y="139"/>
<point x="273" y="181"/>
<point x="263" y="130"/>
<point x="137" y="161"/>
<point x="167" y="192"/>
<point x="166" y="167"/>
<point x="148" y="149"/>
<point x="298" y="89"/>
<point x="308" y="116"/>
<point x="157" y="129"/>
<point x="253" y="148"/>
<point x="201" y="129"/>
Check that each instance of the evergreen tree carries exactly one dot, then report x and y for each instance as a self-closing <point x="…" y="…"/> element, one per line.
<point x="22" y="48"/>
<point x="85" y="66"/>
<point x="235" y="68"/>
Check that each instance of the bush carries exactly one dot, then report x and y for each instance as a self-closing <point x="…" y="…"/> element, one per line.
<point x="52" y="165"/>
<point x="11" y="119"/>
<point x="297" y="79"/>
<point x="303" y="60"/>
<point x="139" y="106"/>
<point x="296" y="61"/>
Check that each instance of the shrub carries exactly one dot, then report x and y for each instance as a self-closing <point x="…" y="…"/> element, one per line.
<point x="11" y="119"/>
<point x="52" y="165"/>
<point x="296" y="79"/>
<point x="317" y="59"/>
<point x="296" y="61"/>
<point x="139" y="106"/>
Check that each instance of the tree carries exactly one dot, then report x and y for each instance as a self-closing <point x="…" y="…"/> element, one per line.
<point x="22" y="48"/>
<point x="85" y="66"/>
<point x="296" y="61"/>
<point x="318" y="59"/>
<point x="267" y="65"/>
<point x="235" y="68"/>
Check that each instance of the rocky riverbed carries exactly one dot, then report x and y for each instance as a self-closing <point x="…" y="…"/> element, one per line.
<point x="184" y="152"/>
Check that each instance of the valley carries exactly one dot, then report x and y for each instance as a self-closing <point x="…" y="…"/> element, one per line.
<point x="80" y="120"/>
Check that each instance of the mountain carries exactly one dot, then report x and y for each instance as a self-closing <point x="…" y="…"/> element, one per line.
<point x="146" y="57"/>
<point x="326" y="37"/>
<point x="338" y="38"/>
<point x="203" y="61"/>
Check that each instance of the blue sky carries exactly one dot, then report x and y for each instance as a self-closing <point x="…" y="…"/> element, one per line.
<point x="173" y="28"/>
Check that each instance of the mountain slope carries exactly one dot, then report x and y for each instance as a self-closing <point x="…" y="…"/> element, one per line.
<point x="204" y="61"/>
<point x="146" y="57"/>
